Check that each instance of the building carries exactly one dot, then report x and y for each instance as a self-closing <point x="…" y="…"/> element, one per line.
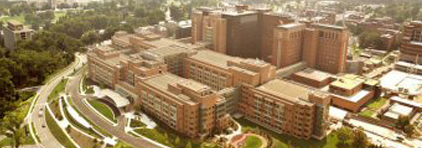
<point x="13" y="32"/>
<point x="220" y="71"/>
<point x="351" y="92"/>
<point x="314" y="78"/>
<point x="322" y="47"/>
<point x="411" y="45"/>
<point x="395" y="111"/>
<point x="269" y="23"/>
<point x="285" y="107"/>
<point x="187" y="106"/>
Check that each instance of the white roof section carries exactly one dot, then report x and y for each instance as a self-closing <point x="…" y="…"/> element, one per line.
<point x="77" y="117"/>
<point x="397" y="80"/>
<point x="405" y="101"/>
<point x="337" y="113"/>
<point x="401" y="109"/>
<point x="117" y="98"/>
<point x="355" y="98"/>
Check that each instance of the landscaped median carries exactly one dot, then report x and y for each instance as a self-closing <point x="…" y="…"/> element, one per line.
<point x="58" y="132"/>
<point x="58" y="89"/>
<point x="103" y="109"/>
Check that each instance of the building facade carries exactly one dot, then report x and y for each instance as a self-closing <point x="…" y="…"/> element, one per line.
<point x="411" y="45"/>
<point x="285" y="107"/>
<point x="14" y="32"/>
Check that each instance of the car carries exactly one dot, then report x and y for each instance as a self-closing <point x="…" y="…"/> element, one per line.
<point x="41" y="113"/>
<point x="399" y="138"/>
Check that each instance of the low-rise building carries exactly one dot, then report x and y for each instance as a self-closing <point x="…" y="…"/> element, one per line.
<point x="351" y="92"/>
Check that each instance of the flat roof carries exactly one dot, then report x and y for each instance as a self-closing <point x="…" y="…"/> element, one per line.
<point x="337" y="113"/>
<point x="214" y="58"/>
<point x="313" y="74"/>
<point x="162" y="81"/>
<point x="407" y="102"/>
<point x="401" y="109"/>
<point x="397" y="80"/>
<point x="291" y="25"/>
<point x="167" y="50"/>
<point x="285" y="89"/>
<point x="346" y="83"/>
<point x="355" y="98"/>
<point x="327" y="26"/>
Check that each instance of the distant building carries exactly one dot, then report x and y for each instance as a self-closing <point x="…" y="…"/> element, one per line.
<point x="15" y="31"/>
<point x="322" y="47"/>
<point x="411" y="45"/>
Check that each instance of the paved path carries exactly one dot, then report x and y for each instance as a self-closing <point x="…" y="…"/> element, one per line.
<point x="117" y="131"/>
<point x="43" y="132"/>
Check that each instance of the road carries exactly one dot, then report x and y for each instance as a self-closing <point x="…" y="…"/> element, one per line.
<point x="43" y="132"/>
<point x="118" y="131"/>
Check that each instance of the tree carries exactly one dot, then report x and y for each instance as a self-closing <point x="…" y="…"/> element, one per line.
<point x="345" y="136"/>
<point x="402" y="122"/>
<point x="11" y="127"/>
<point x="176" y="13"/>
<point x="360" y="139"/>
<point x="8" y="95"/>
<point x="189" y="145"/>
<point x="177" y="141"/>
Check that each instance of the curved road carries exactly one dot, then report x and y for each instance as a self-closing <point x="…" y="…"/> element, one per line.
<point x="43" y="132"/>
<point x="118" y="131"/>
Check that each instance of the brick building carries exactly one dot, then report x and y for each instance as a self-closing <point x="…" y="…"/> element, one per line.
<point x="322" y="47"/>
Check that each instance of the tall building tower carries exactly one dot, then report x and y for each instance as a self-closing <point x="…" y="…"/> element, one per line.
<point x="326" y="47"/>
<point x="322" y="47"/>
<point x="411" y="46"/>
<point x="288" y="45"/>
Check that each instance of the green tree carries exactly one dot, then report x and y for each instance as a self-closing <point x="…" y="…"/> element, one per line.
<point x="8" y="95"/>
<point x="177" y="141"/>
<point x="345" y="136"/>
<point x="176" y="13"/>
<point x="189" y="145"/>
<point x="360" y="140"/>
<point x="11" y="127"/>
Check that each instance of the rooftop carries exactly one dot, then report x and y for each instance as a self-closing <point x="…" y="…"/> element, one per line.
<point x="313" y="74"/>
<point x="214" y="58"/>
<point x="286" y="90"/>
<point x="161" y="83"/>
<point x="346" y="83"/>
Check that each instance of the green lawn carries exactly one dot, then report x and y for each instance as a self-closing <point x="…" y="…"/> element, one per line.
<point x="58" y="15"/>
<point x="103" y="109"/>
<point x="58" y="89"/>
<point x="57" y="132"/>
<point x="282" y="140"/>
<point x="136" y="123"/>
<point x="20" y="18"/>
<point x="253" y="142"/>
<point x="367" y="113"/>
<point x="377" y="103"/>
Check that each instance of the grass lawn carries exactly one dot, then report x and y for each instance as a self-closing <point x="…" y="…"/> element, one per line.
<point x="57" y="132"/>
<point x="103" y="109"/>
<point x="136" y="123"/>
<point x="377" y="103"/>
<point x="282" y="140"/>
<point x="253" y="142"/>
<point x="367" y="113"/>
<point x="58" y="14"/>
<point x="59" y="88"/>
<point x="20" y="18"/>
